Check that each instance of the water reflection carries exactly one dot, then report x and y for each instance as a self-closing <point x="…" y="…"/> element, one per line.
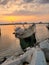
<point x="7" y="38"/>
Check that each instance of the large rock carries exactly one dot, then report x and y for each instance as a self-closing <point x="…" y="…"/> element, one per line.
<point x="44" y="45"/>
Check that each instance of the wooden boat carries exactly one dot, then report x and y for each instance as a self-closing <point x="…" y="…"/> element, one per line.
<point x="26" y="36"/>
<point x="32" y="35"/>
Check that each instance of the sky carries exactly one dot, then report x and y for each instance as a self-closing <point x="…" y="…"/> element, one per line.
<point x="24" y="10"/>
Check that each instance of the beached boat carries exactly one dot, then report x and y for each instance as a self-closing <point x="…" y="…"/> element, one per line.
<point x="32" y="35"/>
<point x="26" y="36"/>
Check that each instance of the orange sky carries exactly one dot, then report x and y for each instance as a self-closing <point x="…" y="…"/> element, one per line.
<point x="24" y="18"/>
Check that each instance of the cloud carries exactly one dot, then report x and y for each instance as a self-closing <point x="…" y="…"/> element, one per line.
<point x="37" y="1"/>
<point x="42" y="1"/>
<point x="27" y="1"/>
<point x="25" y="7"/>
<point x="4" y="2"/>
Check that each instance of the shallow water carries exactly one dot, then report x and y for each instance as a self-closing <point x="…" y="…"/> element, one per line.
<point x="8" y="43"/>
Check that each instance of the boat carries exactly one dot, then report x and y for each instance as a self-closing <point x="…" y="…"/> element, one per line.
<point x="32" y="35"/>
<point x="26" y="36"/>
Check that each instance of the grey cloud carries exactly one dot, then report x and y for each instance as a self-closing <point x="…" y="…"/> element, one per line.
<point x="27" y="1"/>
<point x="37" y="1"/>
<point x="42" y="1"/>
<point x="4" y="2"/>
<point x="45" y="1"/>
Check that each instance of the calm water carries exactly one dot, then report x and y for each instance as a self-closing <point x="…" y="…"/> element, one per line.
<point x="10" y="43"/>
